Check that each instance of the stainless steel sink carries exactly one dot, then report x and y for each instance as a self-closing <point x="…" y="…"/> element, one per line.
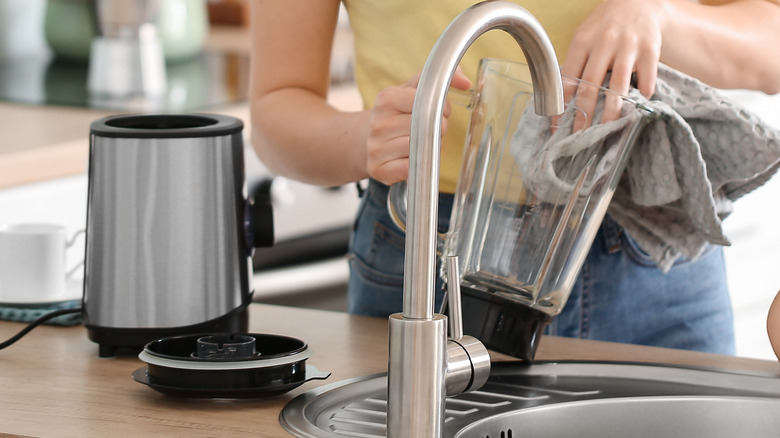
<point x="564" y="399"/>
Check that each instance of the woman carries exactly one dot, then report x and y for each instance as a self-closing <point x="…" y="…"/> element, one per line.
<point x="619" y="296"/>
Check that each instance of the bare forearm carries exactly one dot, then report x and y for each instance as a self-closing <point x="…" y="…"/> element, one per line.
<point x="733" y="45"/>
<point x="297" y="134"/>
<point x="294" y="130"/>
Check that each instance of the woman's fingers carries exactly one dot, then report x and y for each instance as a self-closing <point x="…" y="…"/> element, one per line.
<point x="619" y="38"/>
<point x="390" y="123"/>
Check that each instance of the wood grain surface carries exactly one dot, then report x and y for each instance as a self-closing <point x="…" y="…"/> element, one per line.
<point x="52" y="383"/>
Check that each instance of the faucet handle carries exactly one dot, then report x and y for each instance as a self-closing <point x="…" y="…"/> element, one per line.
<point x="468" y="365"/>
<point x="468" y="361"/>
<point x="453" y="298"/>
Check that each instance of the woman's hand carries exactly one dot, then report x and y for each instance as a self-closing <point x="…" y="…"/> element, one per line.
<point x="621" y="37"/>
<point x="390" y="123"/>
<point x="773" y="325"/>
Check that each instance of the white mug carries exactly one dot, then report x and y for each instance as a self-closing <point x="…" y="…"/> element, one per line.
<point x="33" y="262"/>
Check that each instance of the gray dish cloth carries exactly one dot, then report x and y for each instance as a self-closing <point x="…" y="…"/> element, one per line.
<point x="686" y="169"/>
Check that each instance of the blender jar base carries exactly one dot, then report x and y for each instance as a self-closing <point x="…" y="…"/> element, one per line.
<point x="502" y="324"/>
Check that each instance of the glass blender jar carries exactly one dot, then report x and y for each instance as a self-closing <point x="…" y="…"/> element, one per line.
<point x="530" y="198"/>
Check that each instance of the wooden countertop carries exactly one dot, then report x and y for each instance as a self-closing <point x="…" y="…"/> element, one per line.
<point x="43" y="142"/>
<point x="54" y="384"/>
<point x="40" y="142"/>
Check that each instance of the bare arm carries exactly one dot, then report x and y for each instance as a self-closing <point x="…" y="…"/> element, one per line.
<point x="294" y="130"/>
<point x="735" y="45"/>
<point x="727" y="44"/>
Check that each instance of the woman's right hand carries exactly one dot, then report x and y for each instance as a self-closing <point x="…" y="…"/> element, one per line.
<point x="773" y="325"/>
<point x="390" y="121"/>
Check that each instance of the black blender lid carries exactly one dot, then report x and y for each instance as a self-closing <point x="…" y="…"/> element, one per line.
<point x="166" y="126"/>
<point x="220" y="365"/>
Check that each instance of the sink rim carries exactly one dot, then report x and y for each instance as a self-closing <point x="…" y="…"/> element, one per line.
<point x="308" y="413"/>
<point x="600" y="417"/>
<point x="294" y="418"/>
<point x="672" y="373"/>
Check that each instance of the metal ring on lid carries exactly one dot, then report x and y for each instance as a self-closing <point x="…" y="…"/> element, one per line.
<point x="258" y="362"/>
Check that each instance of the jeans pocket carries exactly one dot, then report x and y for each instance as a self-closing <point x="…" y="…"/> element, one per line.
<point x="376" y="265"/>
<point x="640" y="257"/>
<point x="377" y="249"/>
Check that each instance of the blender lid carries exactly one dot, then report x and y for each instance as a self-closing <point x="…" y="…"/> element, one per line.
<point x="226" y="365"/>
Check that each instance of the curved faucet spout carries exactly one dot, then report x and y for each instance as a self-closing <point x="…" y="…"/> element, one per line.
<point x="423" y="182"/>
<point x="421" y="360"/>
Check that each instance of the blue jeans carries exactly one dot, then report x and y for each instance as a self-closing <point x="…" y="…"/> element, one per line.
<point x="619" y="296"/>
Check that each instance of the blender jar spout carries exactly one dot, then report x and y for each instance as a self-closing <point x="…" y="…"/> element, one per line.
<point x="420" y="360"/>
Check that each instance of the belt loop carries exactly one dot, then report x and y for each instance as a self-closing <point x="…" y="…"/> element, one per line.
<point x="612" y="232"/>
<point x="360" y="189"/>
<point x="377" y="190"/>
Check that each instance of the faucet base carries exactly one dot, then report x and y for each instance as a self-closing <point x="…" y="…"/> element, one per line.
<point x="416" y="372"/>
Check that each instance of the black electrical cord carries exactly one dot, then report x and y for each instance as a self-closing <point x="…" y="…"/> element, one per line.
<point x="38" y="322"/>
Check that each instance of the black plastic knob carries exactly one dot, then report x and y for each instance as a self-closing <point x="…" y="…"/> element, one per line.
<point x="260" y="217"/>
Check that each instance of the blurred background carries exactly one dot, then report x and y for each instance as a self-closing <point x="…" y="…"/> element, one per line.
<point x="62" y="64"/>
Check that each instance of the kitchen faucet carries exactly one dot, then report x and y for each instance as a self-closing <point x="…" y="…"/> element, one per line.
<point x="424" y="367"/>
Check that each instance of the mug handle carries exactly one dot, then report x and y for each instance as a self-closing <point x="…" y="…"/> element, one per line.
<point x="69" y="243"/>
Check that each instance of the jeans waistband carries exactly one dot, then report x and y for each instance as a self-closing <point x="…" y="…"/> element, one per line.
<point x="377" y="190"/>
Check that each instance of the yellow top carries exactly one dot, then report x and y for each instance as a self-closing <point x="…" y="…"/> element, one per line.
<point x="393" y="39"/>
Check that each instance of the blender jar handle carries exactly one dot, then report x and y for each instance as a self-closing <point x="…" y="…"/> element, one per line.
<point x="396" y="207"/>
<point x="396" y="198"/>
